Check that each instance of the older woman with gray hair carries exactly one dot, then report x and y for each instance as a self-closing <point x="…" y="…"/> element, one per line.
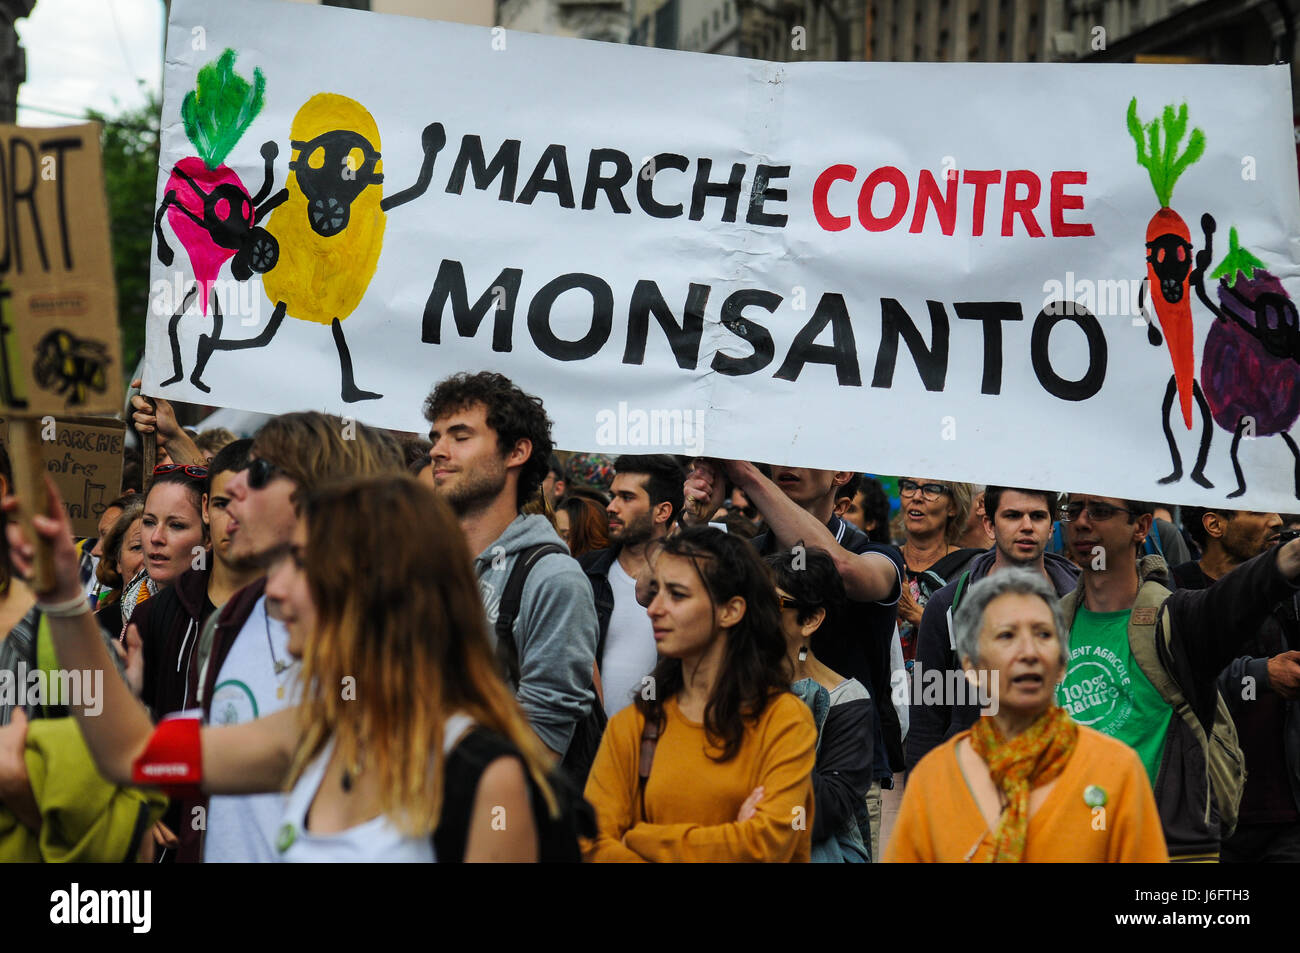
<point x="1026" y="783"/>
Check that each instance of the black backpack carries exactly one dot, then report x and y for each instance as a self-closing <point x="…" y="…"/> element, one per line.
<point x="587" y="734"/>
<point x="557" y="838"/>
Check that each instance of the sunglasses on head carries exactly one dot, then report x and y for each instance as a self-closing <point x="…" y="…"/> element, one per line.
<point x="197" y="473"/>
<point x="1097" y="512"/>
<point x="260" y="472"/>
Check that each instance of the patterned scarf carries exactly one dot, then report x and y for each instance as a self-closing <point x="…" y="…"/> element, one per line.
<point x="138" y="590"/>
<point x="1031" y="759"/>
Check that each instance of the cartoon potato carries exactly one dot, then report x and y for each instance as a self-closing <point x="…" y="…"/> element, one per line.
<point x="331" y="227"/>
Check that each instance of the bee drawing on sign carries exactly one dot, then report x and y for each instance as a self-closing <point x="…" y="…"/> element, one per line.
<point x="71" y="366"/>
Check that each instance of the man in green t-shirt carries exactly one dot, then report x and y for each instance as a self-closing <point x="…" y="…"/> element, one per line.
<point x="1104" y="687"/>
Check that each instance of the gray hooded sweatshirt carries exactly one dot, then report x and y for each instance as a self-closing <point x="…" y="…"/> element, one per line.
<point x="555" y="632"/>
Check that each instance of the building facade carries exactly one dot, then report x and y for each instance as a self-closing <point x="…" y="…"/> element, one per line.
<point x="605" y="20"/>
<point x="13" y="62"/>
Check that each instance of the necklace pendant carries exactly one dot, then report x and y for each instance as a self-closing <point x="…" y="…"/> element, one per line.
<point x="279" y="691"/>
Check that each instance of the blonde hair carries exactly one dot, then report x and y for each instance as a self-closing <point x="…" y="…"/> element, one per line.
<point x="313" y="448"/>
<point x="400" y="619"/>
<point x="963" y="496"/>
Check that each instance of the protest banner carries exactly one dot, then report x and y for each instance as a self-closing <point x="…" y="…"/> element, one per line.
<point x="84" y="457"/>
<point x="58" y="334"/>
<point x="59" y="349"/>
<point x="1036" y="275"/>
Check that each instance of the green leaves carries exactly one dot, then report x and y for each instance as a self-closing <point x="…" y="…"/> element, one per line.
<point x="220" y="108"/>
<point x="1238" y="261"/>
<point x="1164" y="166"/>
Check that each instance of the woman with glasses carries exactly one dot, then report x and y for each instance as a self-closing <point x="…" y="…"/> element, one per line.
<point x="934" y="515"/>
<point x="715" y="763"/>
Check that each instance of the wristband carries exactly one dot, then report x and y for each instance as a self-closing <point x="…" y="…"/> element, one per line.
<point x="173" y="758"/>
<point x="69" y="609"/>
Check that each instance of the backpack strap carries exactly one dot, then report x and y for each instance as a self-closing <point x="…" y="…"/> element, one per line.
<point x="952" y="610"/>
<point x="1149" y="640"/>
<point x="508" y="607"/>
<point x="649" y="740"/>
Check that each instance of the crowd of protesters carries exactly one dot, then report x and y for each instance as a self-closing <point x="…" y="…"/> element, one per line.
<point x="332" y="643"/>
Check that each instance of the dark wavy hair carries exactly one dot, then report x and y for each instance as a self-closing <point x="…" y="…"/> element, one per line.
<point x="666" y="474"/>
<point x="513" y="414"/>
<point x="755" y="667"/>
<point x="993" y="499"/>
<point x="811" y="578"/>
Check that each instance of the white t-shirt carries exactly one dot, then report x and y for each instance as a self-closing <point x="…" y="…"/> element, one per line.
<point x="375" y="841"/>
<point x="242" y="828"/>
<point x="630" y="650"/>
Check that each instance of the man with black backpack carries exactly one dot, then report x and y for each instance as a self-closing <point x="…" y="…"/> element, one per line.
<point x="491" y="446"/>
<point x="1144" y="663"/>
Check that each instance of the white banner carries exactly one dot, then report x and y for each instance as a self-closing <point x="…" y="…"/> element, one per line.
<point x="918" y="269"/>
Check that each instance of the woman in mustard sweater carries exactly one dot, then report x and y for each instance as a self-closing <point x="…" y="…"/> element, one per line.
<point x="714" y="761"/>
<point x="1025" y="783"/>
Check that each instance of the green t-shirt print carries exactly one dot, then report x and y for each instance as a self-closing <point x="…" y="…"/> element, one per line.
<point x="1105" y="690"/>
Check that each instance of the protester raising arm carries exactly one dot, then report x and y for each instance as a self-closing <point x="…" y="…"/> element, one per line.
<point x="117" y="729"/>
<point x="869" y="577"/>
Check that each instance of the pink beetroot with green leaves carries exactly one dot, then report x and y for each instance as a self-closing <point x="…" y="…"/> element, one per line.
<point x="215" y="114"/>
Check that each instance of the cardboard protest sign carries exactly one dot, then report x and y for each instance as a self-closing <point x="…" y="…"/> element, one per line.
<point x="1036" y="275"/>
<point x="84" y="456"/>
<point x="59" y="349"/>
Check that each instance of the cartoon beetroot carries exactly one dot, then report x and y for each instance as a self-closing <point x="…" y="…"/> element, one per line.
<point x="205" y="202"/>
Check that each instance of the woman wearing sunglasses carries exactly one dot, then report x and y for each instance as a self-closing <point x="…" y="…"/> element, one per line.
<point x="934" y="515"/>
<point x="406" y="744"/>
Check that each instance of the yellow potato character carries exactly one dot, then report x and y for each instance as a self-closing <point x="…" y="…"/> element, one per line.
<point x="331" y="227"/>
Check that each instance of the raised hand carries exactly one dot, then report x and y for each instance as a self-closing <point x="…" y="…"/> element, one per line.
<point x="704" y="490"/>
<point x="54" y="528"/>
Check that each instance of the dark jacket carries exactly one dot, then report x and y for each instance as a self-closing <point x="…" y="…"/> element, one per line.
<point x="1209" y="627"/>
<point x="596" y="565"/>
<point x="169" y="625"/>
<point x="857" y="640"/>
<point x="1280" y="633"/>
<point x="214" y="640"/>
<point x="931" y="725"/>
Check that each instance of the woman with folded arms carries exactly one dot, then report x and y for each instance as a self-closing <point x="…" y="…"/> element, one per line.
<point x="730" y="750"/>
<point x="401" y="695"/>
<point x="1025" y="784"/>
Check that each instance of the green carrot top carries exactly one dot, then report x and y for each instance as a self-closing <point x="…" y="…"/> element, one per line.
<point x="1164" y="165"/>
<point x="220" y="108"/>
<point x="1238" y="261"/>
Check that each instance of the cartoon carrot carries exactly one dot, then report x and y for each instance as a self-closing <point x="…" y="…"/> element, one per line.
<point x="1169" y="246"/>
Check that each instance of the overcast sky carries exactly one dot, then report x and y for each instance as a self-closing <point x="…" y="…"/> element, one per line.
<point x="89" y="54"/>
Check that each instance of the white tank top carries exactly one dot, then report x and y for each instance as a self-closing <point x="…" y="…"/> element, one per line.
<point x="375" y="841"/>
